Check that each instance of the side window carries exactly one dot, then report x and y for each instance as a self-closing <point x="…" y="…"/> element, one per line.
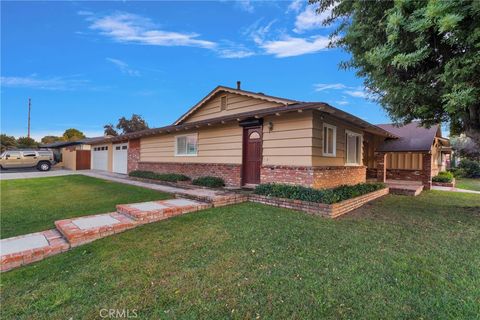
<point x="329" y="140"/>
<point x="13" y="154"/>
<point x="186" y="145"/>
<point x="28" y="154"/>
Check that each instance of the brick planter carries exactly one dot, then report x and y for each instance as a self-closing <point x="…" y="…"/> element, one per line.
<point x="326" y="210"/>
<point x="444" y="184"/>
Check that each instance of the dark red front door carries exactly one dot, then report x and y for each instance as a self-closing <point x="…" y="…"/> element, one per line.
<point x="252" y="154"/>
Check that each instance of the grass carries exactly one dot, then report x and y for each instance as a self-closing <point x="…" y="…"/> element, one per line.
<point x="469" y="184"/>
<point x="399" y="257"/>
<point x="30" y="205"/>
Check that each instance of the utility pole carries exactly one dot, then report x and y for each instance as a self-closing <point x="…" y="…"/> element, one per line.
<point x="29" y="108"/>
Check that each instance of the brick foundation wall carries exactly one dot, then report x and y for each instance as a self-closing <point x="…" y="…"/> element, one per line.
<point x="287" y="174"/>
<point x="316" y="177"/>
<point x="326" y="210"/>
<point x="133" y="156"/>
<point x="371" y="173"/>
<point x="409" y="175"/>
<point x="329" y="177"/>
<point x="231" y="173"/>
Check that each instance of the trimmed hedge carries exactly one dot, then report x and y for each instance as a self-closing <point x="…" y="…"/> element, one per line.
<point x="208" y="181"/>
<point x="327" y="196"/>
<point x="443" y="176"/>
<point x="169" y="177"/>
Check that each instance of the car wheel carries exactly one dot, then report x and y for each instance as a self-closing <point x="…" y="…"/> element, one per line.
<point x="43" y="166"/>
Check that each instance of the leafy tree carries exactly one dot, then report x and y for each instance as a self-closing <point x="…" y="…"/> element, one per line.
<point x="7" y="142"/>
<point x="419" y="59"/>
<point x="465" y="147"/>
<point x="26" y="142"/>
<point x="135" y="123"/>
<point x="109" y="130"/>
<point x="73" y="135"/>
<point x="51" y="139"/>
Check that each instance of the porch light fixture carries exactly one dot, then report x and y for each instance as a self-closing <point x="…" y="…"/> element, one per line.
<point x="270" y="126"/>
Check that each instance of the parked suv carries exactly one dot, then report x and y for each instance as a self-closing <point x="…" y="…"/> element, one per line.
<point x="41" y="159"/>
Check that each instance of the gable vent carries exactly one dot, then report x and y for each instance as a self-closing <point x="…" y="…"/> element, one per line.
<point x="223" y="103"/>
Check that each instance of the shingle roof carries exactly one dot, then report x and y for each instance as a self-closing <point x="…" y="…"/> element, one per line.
<point x="61" y="144"/>
<point x="412" y="137"/>
<point x="297" y="107"/>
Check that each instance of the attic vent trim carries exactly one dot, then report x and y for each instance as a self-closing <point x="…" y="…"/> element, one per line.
<point x="223" y="103"/>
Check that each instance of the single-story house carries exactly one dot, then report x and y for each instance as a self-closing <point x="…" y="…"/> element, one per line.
<point x="250" y="137"/>
<point x="73" y="155"/>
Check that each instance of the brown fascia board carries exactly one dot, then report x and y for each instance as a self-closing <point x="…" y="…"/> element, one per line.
<point x="298" y="107"/>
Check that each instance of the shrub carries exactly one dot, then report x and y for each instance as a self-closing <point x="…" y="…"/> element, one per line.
<point x="327" y="196"/>
<point x="443" y="176"/>
<point x="208" y="181"/>
<point x="471" y="168"/>
<point x="169" y="177"/>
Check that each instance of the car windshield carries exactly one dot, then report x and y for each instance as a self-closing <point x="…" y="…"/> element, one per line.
<point x="2" y="155"/>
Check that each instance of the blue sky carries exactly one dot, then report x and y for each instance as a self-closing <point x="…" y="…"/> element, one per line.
<point x="86" y="64"/>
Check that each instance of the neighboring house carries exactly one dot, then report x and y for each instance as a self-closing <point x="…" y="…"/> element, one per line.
<point x="74" y="155"/>
<point x="249" y="138"/>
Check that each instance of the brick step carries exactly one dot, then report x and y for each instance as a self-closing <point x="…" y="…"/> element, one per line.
<point x="83" y="230"/>
<point x="217" y="200"/>
<point x="406" y="191"/>
<point x="146" y="212"/>
<point x="25" y="249"/>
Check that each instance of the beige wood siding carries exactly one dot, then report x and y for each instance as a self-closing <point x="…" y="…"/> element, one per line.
<point x="219" y="144"/>
<point x="404" y="160"/>
<point x="69" y="158"/>
<point x="290" y="141"/>
<point x="235" y="104"/>
<point x="318" y="159"/>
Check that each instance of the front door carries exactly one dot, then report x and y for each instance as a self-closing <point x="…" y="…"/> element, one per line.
<point x="252" y="154"/>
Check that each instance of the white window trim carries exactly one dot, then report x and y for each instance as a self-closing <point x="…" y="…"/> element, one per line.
<point x="326" y="154"/>
<point x="186" y="135"/>
<point x="360" y="158"/>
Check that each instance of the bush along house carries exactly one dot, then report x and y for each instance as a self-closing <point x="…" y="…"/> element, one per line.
<point x="248" y="138"/>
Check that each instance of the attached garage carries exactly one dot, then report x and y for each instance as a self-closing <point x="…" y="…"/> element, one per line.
<point x="120" y="156"/>
<point x="100" y="157"/>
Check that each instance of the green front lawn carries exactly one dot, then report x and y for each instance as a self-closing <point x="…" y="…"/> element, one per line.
<point x="30" y="205"/>
<point x="469" y="184"/>
<point x="399" y="257"/>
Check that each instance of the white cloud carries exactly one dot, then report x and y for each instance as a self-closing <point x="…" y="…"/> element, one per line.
<point x="308" y="19"/>
<point x="291" y="46"/>
<point x="233" y="53"/>
<point x="53" y="83"/>
<point x="329" y="86"/>
<point x="132" y="28"/>
<point x="123" y="66"/>
<point x="342" y="102"/>
<point x="295" y="5"/>
<point x="357" y="93"/>
<point x="245" y="5"/>
<point x="84" y="13"/>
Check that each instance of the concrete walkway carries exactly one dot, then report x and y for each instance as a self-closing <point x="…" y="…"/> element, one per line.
<point x="12" y="174"/>
<point x="454" y="189"/>
<point x="214" y="196"/>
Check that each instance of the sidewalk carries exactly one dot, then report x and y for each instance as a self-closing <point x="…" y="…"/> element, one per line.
<point x="454" y="189"/>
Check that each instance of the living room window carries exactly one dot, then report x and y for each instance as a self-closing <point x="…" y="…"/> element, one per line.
<point x="353" y="145"/>
<point x="329" y="140"/>
<point x="186" y="145"/>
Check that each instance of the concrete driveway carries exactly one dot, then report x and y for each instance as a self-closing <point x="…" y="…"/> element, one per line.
<point x="11" y="174"/>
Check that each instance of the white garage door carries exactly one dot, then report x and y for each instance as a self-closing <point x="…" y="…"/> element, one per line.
<point x="120" y="155"/>
<point x="100" y="158"/>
